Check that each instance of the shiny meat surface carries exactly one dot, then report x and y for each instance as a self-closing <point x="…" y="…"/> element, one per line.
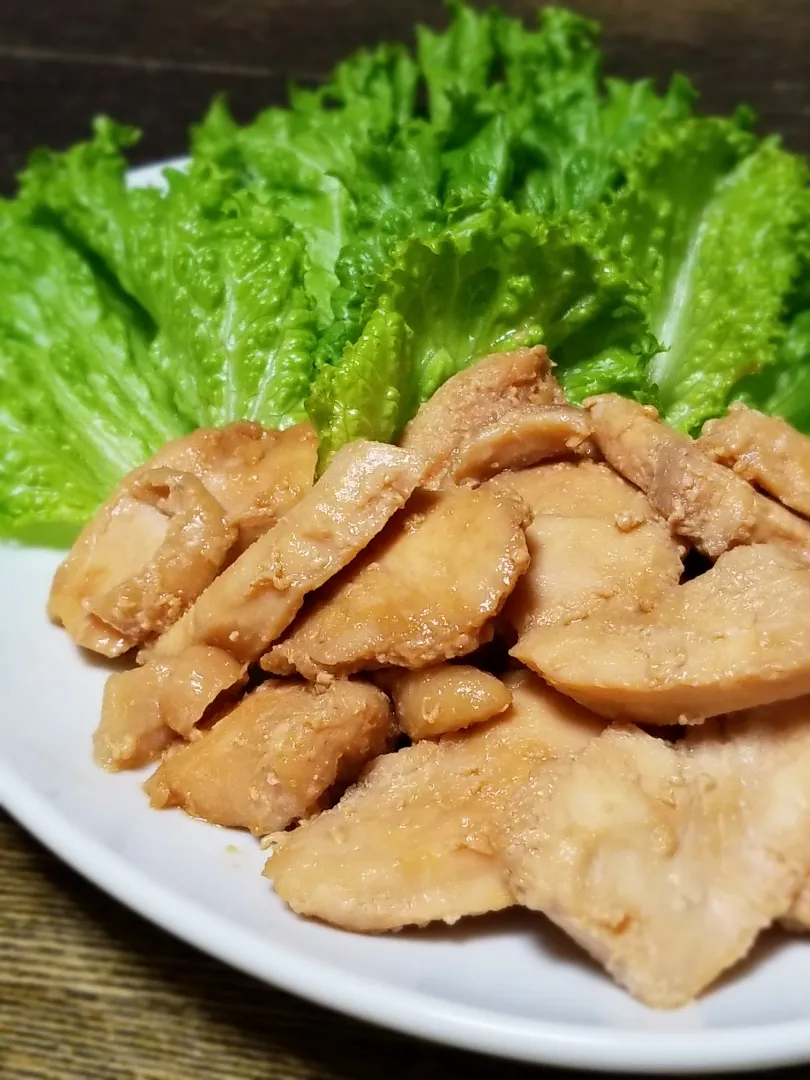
<point x="149" y="552"/>
<point x="144" y="709"/>
<point x="735" y="637"/>
<point x="765" y="450"/>
<point x="520" y="438"/>
<point x="423" y="593"/>
<point x="271" y="760"/>
<point x="449" y="697"/>
<point x="594" y="539"/>
<point x="257" y="596"/>
<point x="666" y="861"/>
<point x="474" y="398"/>
<point x="412" y="843"/>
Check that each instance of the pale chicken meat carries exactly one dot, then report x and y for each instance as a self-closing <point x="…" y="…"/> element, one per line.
<point x="473" y="398"/>
<point x="149" y="552"/>
<point x="521" y="438"/>
<point x="145" y="709"/>
<point x="594" y="540"/>
<point x="272" y="759"/>
<point x="426" y="591"/>
<point x="666" y="861"/>
<point x="249" y="605"/>
<point x="446" y="698"/>
<point x="735" y="637"/>
<point x="702" y="501"/>
<point x="764" y="450"/>
<point x="255" y="473"/>
<point x="798" y="915"/>
<point x="412" y="842"/>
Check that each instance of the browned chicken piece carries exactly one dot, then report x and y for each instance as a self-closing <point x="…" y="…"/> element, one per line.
<point x="473" y="398"/>
<point x="276" y="755"/>
<point x="255" y="473"/>
<point x="423" y="593"/>
<point x="666" y="861"/>
<point x="149" y="552"/>
<point x="594" y="539"/>
<point x="257" y="597"/>
<point x="737" y="636"/>
<point x="449" y="697"/>
<point x="520" y="438"/>
<point x="765" y="450"/>
<point x="145" y="709"/>
<point x="411" y="842"/>
<point x="798" y="916"/>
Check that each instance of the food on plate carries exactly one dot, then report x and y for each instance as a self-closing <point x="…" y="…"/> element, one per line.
<point x="144" y="709"/>
<point x="141" y="562"/>
<point x="258" y="595"/>
<point x="449" y="697"/>
<point x="412" y="842"/>
<point x="733" y="637"/>
<point x="666" y="861"/>
<point x="322" y="422"/>
<point x="271" y="759"/>
<point x="425" y="591"/>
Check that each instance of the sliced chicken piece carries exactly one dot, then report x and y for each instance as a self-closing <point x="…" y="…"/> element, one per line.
<point x="666" y="861"/>
<point x="145" y="709"/>
<point x="473" y="398"/>
<point x="777" y="525"/>
<point x="257" y="597"/>
<point x="798" y="916"/>
<point x="144" y="558"/>
<point x="255" y="473"/>
<point x="765" y="450"/>
<point x="423" y="593"/>
<point x="276" y="755"/>
<point x="411" y="842"/>
<point x="520" y="438"/>
<point x="446" y="698"/>
<point x="737" y="636"/>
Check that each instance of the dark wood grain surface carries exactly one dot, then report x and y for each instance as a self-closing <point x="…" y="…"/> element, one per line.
<point x="89" y="991"/>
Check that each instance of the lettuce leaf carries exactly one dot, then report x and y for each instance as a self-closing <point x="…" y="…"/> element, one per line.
<point x="81" y="401"/>
<point x="495" y="281"/>
<point x="708" y="219"/>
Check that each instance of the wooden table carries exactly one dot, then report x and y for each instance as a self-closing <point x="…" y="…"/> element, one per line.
<point x="89" y="991"/>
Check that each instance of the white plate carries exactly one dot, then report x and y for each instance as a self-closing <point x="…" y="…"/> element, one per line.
<point x="507" y="985"/>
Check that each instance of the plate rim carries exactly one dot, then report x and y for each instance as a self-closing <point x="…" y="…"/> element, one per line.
<point x="370" y="999"/>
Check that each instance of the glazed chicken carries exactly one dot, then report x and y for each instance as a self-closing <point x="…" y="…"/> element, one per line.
<point x="449" y="697"/>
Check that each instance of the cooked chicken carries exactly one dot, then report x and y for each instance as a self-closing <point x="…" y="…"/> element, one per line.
<point x="520" y="438"/>
<point x="735" y="637"/>
<point x="272" y="759"/>
<point x="665" y="862"/>
<point x="765" y="450"/>
<point x="411" y="842"/>
<point x="145" y="709"/>
<point x="798" y="916"/>
<point x="144" y="558"/>
<point x="422" y="593"/>
<point x="449" y="697"/>
<point x="473" y="398"/>
<point x="594" y="539"/>
<point x="257" y="597"/>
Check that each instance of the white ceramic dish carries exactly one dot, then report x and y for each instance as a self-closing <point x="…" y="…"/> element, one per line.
<point x="506" y="985"/>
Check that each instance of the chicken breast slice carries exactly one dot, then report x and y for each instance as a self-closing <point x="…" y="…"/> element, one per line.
<point x="764" y="450"/>
<point x="276" y="755"/>
<point x="474" y="398"/>
<point x="666" y="861"/>
<point x="145" y="709"/>
<point x="798" y="916"/>
<point x="735" y="637"/>
<point x="255" y="473"/>
<point x="411" y="842"/>
<point x="257" y="597"/>
<point x="446" y="698"/>
<point x="594" y="539"/>
<point x="138" y="565"/>
<point x="424" y="592"/>
<point x="521" y="438"/>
